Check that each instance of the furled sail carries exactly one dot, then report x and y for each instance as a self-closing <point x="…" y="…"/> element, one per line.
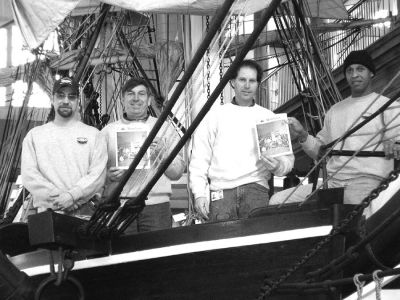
<point x="37" y="19"/>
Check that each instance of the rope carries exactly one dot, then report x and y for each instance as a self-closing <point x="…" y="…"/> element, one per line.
<point x="378" y="284"/>
<point x="359" y="285"/>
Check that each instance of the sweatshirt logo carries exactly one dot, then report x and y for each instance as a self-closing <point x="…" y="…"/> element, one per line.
<point x="82" y="140"/>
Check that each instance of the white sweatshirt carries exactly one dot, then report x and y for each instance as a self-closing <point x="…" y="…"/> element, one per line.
<point x="340" y="118"/>
<point x="161" y="191"/>
<point x="58" y="159"/>
<point x="225" y="150"/>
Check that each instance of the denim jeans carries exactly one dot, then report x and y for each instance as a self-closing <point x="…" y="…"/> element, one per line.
<point x="355" y="190"/>
<point x="152" y="217"/>
<point x="238" y="202"/>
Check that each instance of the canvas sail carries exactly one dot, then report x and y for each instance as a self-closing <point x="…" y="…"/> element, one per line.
<point x="37" y="19"/>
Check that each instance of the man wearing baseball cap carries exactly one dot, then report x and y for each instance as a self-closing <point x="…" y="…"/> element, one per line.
<point x="359" y="175"/>
<point x="63" y="162"/>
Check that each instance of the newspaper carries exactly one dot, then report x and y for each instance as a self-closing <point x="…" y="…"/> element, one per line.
<point x="273" y="136"/>
<point x="128" y="143"/>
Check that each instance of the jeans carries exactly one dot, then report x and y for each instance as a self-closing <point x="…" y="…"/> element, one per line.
<point x="238" y="202"/>
<point x="152" y="217"/>
<point x="355" y="190"/>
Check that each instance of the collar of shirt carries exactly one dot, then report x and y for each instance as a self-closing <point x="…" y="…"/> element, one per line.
<point x="144" y="119"/>
<point x="235" y="103"/>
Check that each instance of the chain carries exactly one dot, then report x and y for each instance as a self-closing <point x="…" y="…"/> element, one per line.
<point x="359" y="285"/>
<point x="378" y="284"/>
<point x="208" y="59"/>
<point x="269" y="287"/>
<point x="221" y="65"/>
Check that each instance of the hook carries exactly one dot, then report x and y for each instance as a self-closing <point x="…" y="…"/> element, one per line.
<point x="359" y="285"/>
<point x="378" y="284"/>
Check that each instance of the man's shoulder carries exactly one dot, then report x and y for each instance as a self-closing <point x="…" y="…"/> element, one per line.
<point x="41" y="128"/>
<point x="262" y="109"/>
<point x="111" y="126"/>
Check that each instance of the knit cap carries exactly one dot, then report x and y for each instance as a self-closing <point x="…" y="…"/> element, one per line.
<point x="360" y="57"/>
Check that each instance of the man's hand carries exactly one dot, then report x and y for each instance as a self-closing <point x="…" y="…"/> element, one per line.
<point x="115" y="174"/>
<point x="65" y="202"/>
<point x="271" y="163"/>
<point x="202" y="207"/>
<point x="297" y="130"/>
<point x="391" y="149"/>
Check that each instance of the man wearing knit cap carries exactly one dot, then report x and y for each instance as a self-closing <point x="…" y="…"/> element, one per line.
<point x="360" y="175"/>
<point x="63" y="162"/>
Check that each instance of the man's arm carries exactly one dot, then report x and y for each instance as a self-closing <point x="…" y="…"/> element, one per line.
<point x="203" y="140"/>
<point x="311" y="145"/>
<point x="38" y="185"/>
<point x="200" y="160"/>
<point x="176" y="168"/>
<point x="391" y="140"/>
<point x="166" y="144"/>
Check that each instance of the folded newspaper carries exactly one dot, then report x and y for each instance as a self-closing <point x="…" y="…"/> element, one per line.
<point x="273" y="136"/>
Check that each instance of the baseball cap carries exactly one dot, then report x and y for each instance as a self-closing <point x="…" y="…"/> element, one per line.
<point x="66" y="82"/>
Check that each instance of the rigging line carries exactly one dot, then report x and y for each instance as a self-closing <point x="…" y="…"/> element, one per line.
<point x="265" y="17"/>
<point x="365" y="121"/>
<point x="345" y="163"/>
<point x="103" y="55"/>
<point x="93" y="39"/>
<point x="268" y="288"/>
<point x="287" y="49"/>
<point x="316" y="48"/>
<point x="339" y="282"/>
<point x="365" y="145"/>
<point x="214" y="59"/>
<point x="346" y="49"/>
<point x="291" y="38"/>
<point x="115" y="94"/>
<point x="216" y="22"/>
<point x="353" y="127"/>
<point x="267" y="13"/>
<point x="226" y="41"/>
<point x="169" y="146"/>
<point x="299" y="53"/>
<point x="228" y="38"/>
<point x="86" y="20"/>
<point x="350" y="32"/>
<point x="344" y="258"/>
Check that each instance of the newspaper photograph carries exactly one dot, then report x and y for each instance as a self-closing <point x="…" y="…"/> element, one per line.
<point x="273" y="136"/>
<point x="128" y="143"/>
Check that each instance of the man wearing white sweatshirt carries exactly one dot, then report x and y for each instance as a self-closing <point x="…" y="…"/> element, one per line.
<point x="225" y="154"/>
<point x="359" y="175"/>
<point x="63" y="162"/>
<point x="156" y="215"/>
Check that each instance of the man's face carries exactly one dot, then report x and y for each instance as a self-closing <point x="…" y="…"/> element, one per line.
<point x="245" y="86"/>
<point x="65" y="102"/>
<point x="359" y="78"/>
<point x="136" y="101"/>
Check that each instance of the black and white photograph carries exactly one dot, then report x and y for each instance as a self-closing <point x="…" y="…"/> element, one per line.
<point x="128" y="145"/>
<point x="273" y="136"/>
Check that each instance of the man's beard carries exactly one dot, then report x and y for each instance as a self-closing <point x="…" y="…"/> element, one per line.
<point x="64" y="113"/>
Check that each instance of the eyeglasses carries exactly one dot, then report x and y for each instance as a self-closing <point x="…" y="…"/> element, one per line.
<point x="70" y="97"/>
